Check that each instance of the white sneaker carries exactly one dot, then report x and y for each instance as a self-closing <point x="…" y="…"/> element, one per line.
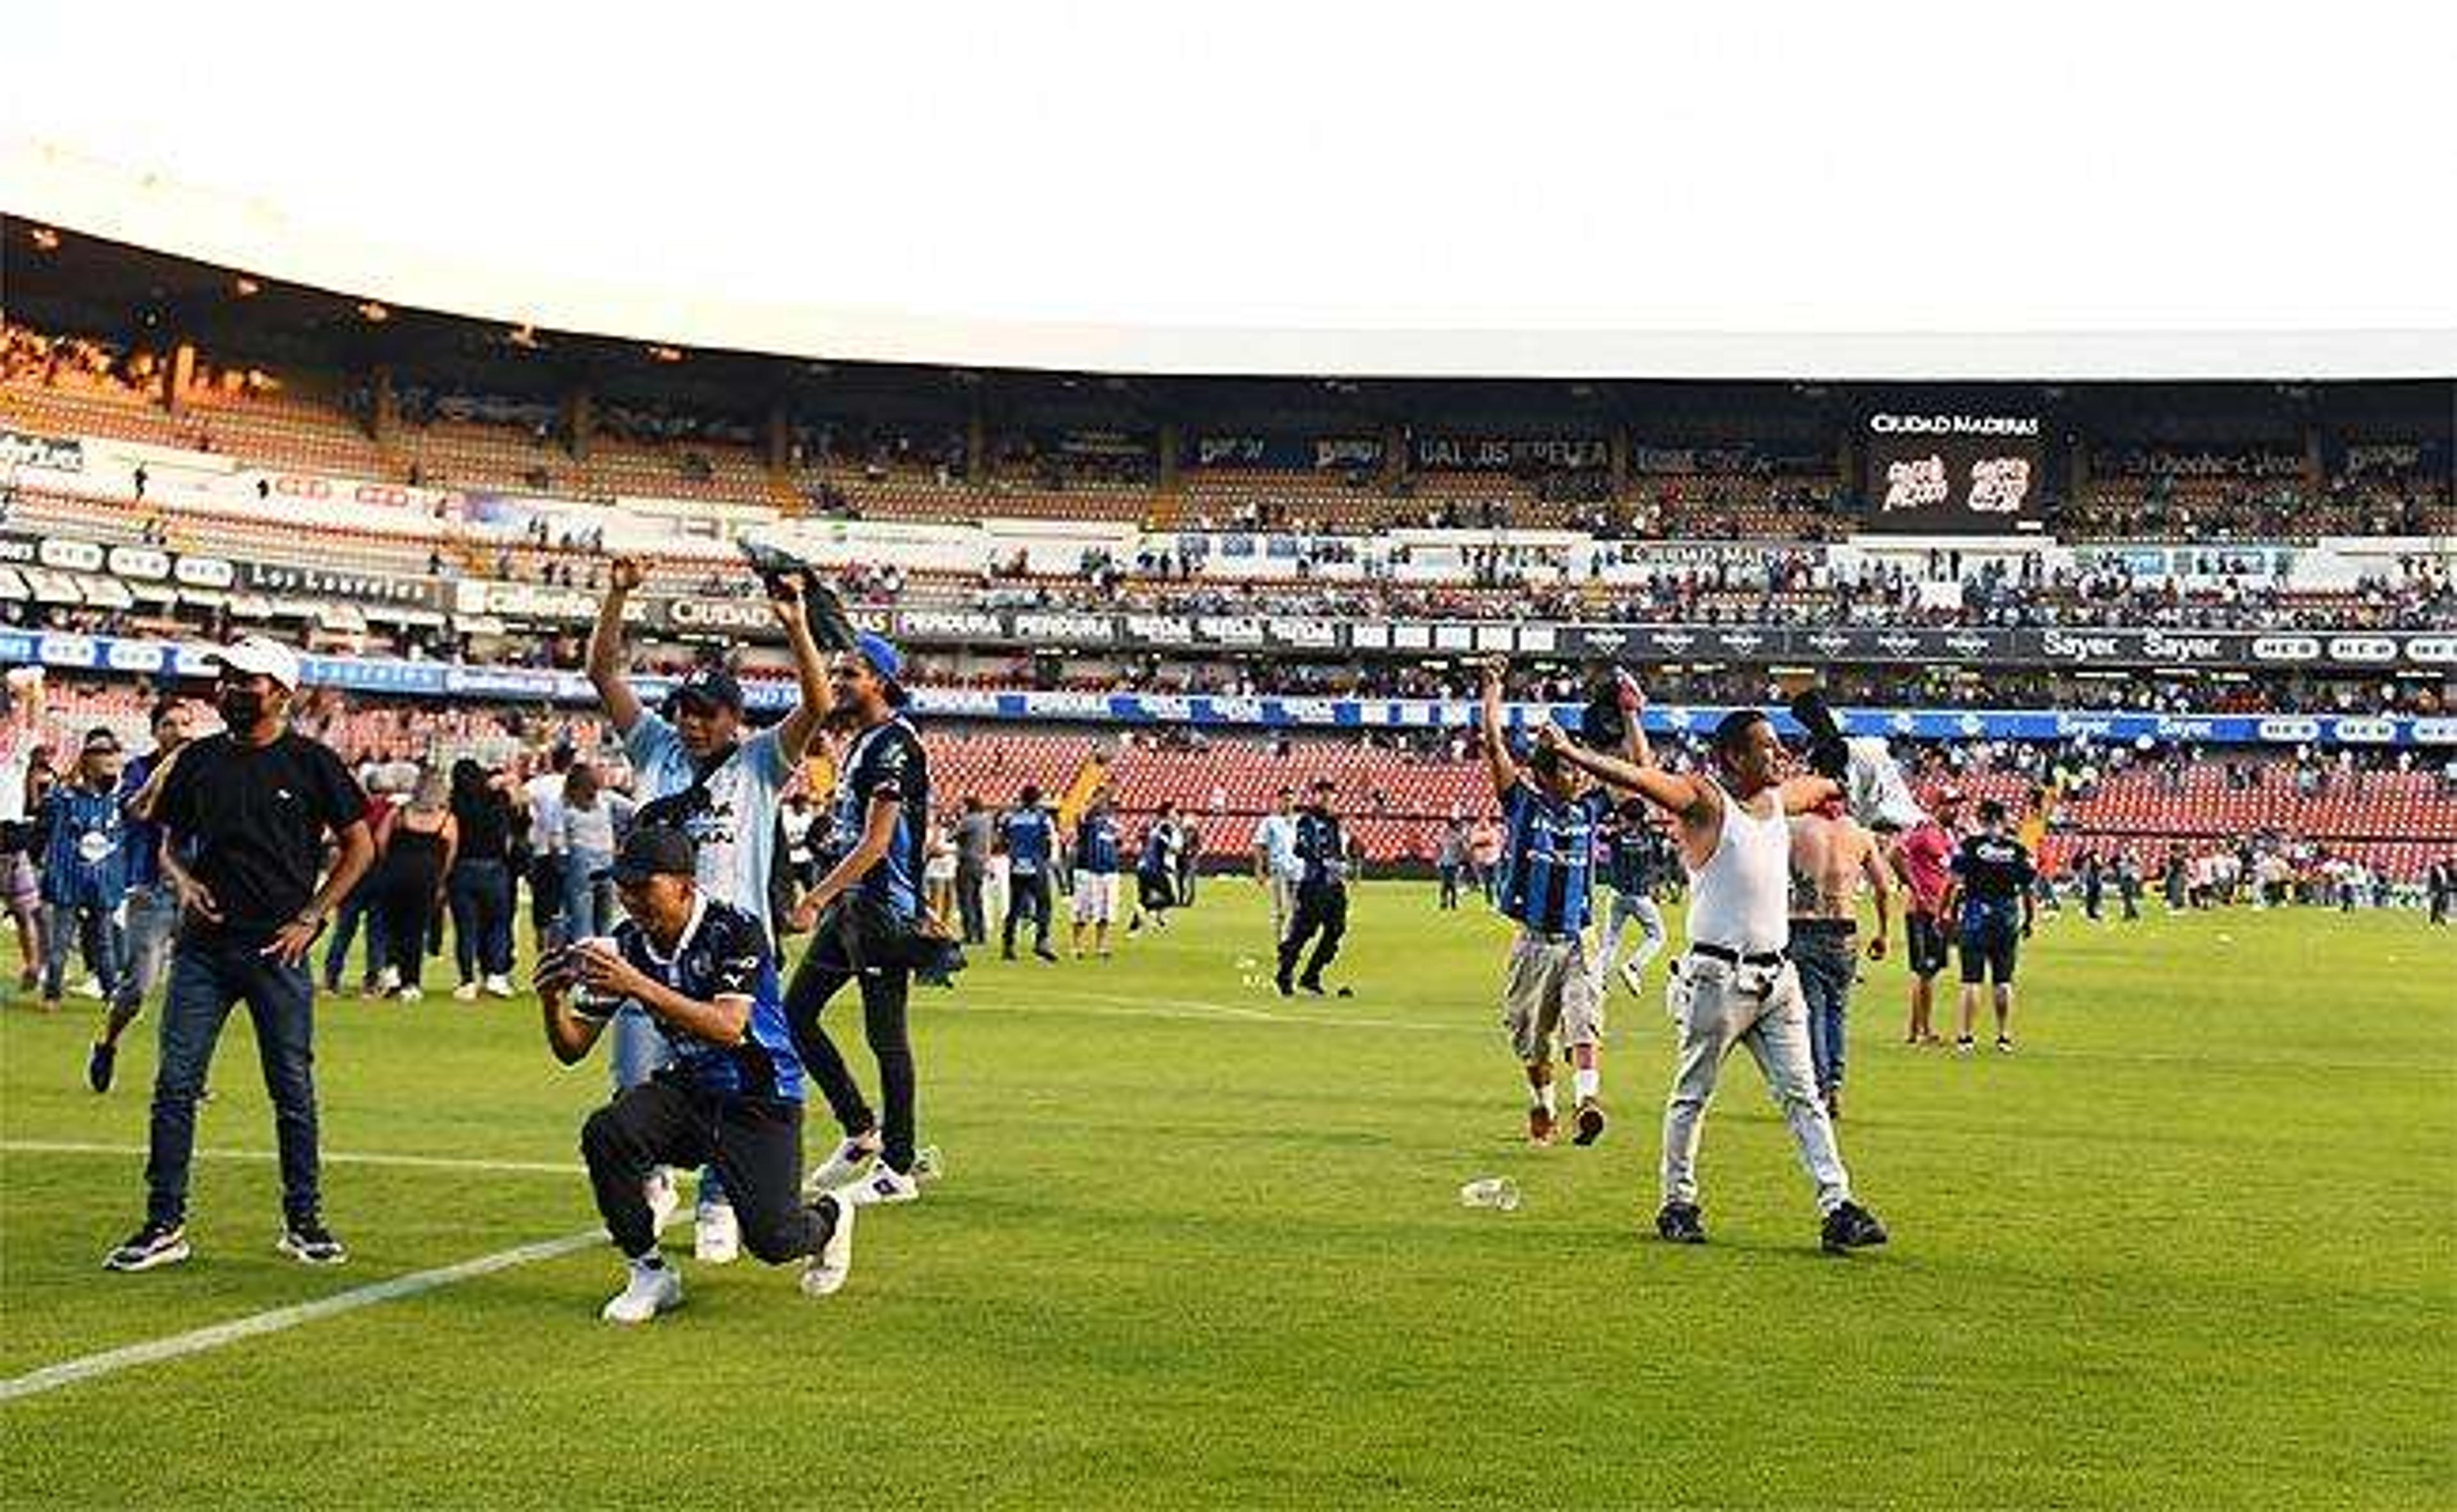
<point x="843" y="1168"/>
<point x="498" y="986"/>
<point x="651" y="1291"/>
<point x="388" y="980"/>
<point x="407" y="995"/>
<point x="1634" y="976"/>
<point x="465" y="992"/>
<point x="664" y="1201"/>
<point x="885" y="1184"/>
<point x="825" y="1275"/>
<point x="717" y="1238"/>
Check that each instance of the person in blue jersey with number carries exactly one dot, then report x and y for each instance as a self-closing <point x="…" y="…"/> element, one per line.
<point x="1097" y="844"/>
<point x="866" y="918"/>
<point x="1551" y="816"/>
<point x="731" y="1091"/>
<point x="1030" y="836"/>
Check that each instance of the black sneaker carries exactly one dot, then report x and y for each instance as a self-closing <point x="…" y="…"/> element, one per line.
<point x="1850" y="1227"/>
<point x="1680" y="1223"/>
<point x="1589" y="1124"/>
<point x="1045" y="954"/>
<point x="99" y="1062"/>
<point x="154" y="1244"/>
<point x="1313" y="984"/>
<point x="307" y="1241"/>
<point x="1287" y="988"/>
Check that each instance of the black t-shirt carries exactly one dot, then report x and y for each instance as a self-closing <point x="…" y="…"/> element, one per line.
<point x="486" y="821"/>
<point x="1995" y="873"/>
<point x="251" y="821"/>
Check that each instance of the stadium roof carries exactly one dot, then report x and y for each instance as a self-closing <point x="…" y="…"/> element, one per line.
<point x="1909" y="192"/>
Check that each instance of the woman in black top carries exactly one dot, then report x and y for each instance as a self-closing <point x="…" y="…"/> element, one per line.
<point x="480" y="882"/>
<point x="408" y="881"/>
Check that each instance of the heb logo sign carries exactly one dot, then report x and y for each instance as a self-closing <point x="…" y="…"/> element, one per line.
<point x="2366" y="732"/>
<point x="2286" y="648"/>
<point x="2368" y="649"/>
<point x="2435" y="731"/>
<point x="2296" y="731"/>
<point x="2432" y="651"/>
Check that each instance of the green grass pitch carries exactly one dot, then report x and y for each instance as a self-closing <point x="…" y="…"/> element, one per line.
<point x="2196" y="1246"/>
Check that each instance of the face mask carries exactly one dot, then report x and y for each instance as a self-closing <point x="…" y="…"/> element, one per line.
<point x="240" y="707"/>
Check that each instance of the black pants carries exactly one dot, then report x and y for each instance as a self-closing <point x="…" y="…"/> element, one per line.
<point x="1450" y="875"/>
<point x="1322" y="907"/>
<point x="970" y="878"/>
<point x="855" y="943"/>
<point x="547" y="895"/>
<point x="756" y="1145"/>
<point x="406" y="902"/>
<point x="1028" y="895"/>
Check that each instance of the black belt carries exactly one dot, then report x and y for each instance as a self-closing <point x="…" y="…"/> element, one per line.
<point x="1837" y="928"/>
<point x="1733" y="958"/>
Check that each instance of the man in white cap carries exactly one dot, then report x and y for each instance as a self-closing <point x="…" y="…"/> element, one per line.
<point x="246" y="814"/>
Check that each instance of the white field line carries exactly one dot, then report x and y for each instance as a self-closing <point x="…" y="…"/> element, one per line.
<point x="329" y="1157"/>
<point x="70" y="1372"/>
<point x="197" y="1341"/>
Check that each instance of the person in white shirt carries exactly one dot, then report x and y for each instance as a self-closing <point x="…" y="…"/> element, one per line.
<point x="550" y="882"/>
<point x="1275" y="859"/>
<point x="593" y="821"/>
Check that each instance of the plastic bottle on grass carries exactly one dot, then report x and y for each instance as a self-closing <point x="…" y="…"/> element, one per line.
<point x="1499" y="1192"/>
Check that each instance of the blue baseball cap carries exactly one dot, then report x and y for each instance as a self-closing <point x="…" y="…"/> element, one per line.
<point x="884" y="660"/>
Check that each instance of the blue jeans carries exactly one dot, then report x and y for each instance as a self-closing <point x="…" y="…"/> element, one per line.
<point x="640" y="1052"/>
<point x="588" y="906"/>
<point x="94" y="931"/>
<point x="206" y="979"/>
<point x="153" y="918"/>
<point x="480" y="892"/>
<point x="1827" y="964"/>
<point x="359" y="906"/>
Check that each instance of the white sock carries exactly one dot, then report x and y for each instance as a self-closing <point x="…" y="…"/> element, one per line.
<point x="1541" y="1096"/>
<point x="1588" y="1081"/>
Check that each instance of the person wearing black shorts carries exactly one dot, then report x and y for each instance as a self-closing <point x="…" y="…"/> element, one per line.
<point x="1991" y="893"/>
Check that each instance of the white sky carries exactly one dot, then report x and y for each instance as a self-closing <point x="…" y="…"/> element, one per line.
<point x="1510" y="187"/>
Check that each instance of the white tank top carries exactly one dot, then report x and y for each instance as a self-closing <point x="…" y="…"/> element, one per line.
<point x="1740" y="899"/>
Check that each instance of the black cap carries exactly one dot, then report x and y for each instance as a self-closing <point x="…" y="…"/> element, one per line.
<point x="652" y="850"/>
<point x="709" y="685"/>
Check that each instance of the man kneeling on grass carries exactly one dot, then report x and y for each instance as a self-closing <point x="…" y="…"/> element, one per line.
<point x="703" y="973"/>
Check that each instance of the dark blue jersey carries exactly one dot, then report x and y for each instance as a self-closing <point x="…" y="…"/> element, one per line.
<point x="1321" y="849"/>
<point x="885" y="762"/>
<point x="1096" y="843"/>
<point x="1161" y="843"/>
<point x="1638" y="856"/>
<point x="1549" y="857"/>
<point x="723" y="953"/>
<point x="85" y="860"/>
<point x="1029" y="835"/>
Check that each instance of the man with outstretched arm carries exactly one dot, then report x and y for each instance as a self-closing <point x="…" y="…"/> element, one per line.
<point x="1735" y="986"/>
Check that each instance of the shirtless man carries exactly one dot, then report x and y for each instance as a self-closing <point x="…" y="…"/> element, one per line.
<point x="1830" y="857"/>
